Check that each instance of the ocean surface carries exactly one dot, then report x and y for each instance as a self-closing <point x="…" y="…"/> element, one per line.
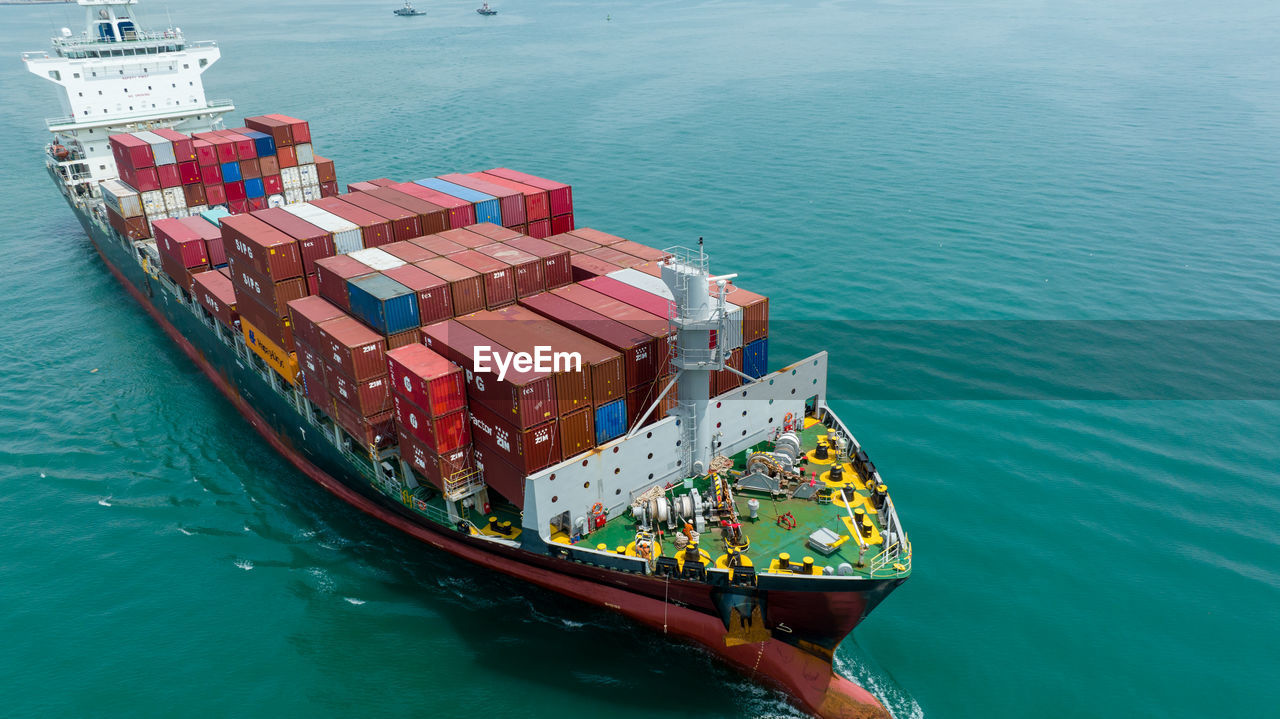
<point x="1076" y="554"/>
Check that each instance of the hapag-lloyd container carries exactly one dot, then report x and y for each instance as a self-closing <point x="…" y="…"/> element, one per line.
<point x="431" y="217"/>
<point x="487" y="208"/>
<point x="437" y="245"/>
<point x="577" y="432"/>
<point x="559" y="195"/>
<point x="649" y="283"/>
<point x="755" y="358"/>
<point x="382" y="303"/>
<point x="427" y="379"/>
<point x="270" y="252"/>
<point x="375" y="230"/>
<point x="585" y="267"/>
<point x="556" y="270"/>
<point x="353" y="349"/>
<point x="638" y="349"/>
<point x="603" y="239"/>
<point x="527" y="267"/>
<point x="466" y="286"/>
<point x="611" y="420"/>
<point x="368" y="397"/>
<point x="511" y="202"/>
<point x="435" y="300"/>
<point x="499" y="277"/>
<point x="461" y="212"/>
<point x="347" y="236"/>
<point x="441" y="434"/>
<point x="214" y="292"/>
<point x="523" y="398"/>
<point x="332" y="274"/>
<point x="404" y="224"/>
<point x="408" y="251"/>
<point x="536" y="204"/>
<point x="314" y="242"/>
<point x="572" y="242"/>
<point x="529" y="449"/>
<point x="307" y="314"/>
<point x="435" y="468"/>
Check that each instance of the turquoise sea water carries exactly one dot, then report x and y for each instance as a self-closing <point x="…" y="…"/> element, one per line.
<point x="999" y="160"/>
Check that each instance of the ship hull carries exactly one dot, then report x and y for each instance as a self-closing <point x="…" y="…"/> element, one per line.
<point x="806" y="626"/>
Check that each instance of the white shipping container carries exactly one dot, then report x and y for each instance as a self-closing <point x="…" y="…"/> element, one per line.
<point x="305" y="155"/>
<point x="197" y="210"/>
<point x="275" y="201"/>
<point x="293" y="196"/>
<point x="152" y="202"/>
<point x="121" y="198"/>
<point x="309" y="176"/>
<point x="378" y="259"/>
<point x="174" y="199"/>
<point x="310" y="193"/>
<point x="291" y="177"/>
<point x="653" y="285"/>
<point x="346" y="235"/>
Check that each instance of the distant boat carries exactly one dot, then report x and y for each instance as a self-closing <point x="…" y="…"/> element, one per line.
<point x="486" y="10"/>
<point x="408" y="10"/>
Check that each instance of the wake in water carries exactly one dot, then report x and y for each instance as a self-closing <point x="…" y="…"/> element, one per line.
<point x="105" y="502"/>
<point x="353" y="600"/>
<point x="244" y="564"/>
<point x="895" y="699"/>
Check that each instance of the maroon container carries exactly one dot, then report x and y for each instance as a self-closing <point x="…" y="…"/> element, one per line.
<point x="307" y="313"/>
<point x="408" y="251"/>
<point x="298" y="129"/>
<point x="326" y="172"/>
<point x="250" y="169"/>
<point x="245" y="147"/>
<point x="360" y="186"/>
<point x="183" y="146"/>
<point x="278" y="329"/>
<point x="211" y="174"/>
<point x="600" y="238"/>
<point x="656" y="326"/>
<point x="332" y="274"/>
<point x="435" y="468"/>
<point x="402" y="339"/>
<point x="529" y="449"/>
<point x="274" y="295"/>
<point x="615" y="257"/>
<point x="224" y="149"/>
<point x="539" y="229"/>
<point x="585" y="267"/>
<point x="375" y="230"/>
<point x="268" y="251"/>
<point x="169" y="176"/>
<point x="279" y="131"/>
<point x="355" y="350"/>
<point x="499" y="277"/>
<point x="726" y="380"/>
<point x="313" y="379"/>
<point x="527" y="267"/>
<point x="577" y="432"/>
<point x="465" y="237"/>
<point x="643" y="353"/>
<point x="435" y="300"/>
<point x="180" y="242"/>
<point x="523" y="398"/>
<point x="556" y="270"/>
<point x="461" y="212"/>
<point x="214" y="292"/>
<point x="536" y="203"/>
<point x="313" y="242"/>
<point x="495" y="233"/>
<point x="559" y="195"/>
<point x="404" y="224"/>
<point x="572" y="242"/>
<point x="561" y="223"/>
<point x="189" y="172"/>
<point x="432" y="218"/>
<point x="194" y="194"/>
<point x="438" y="245"/>
<point x="368" y="397"/>
<point x="466" y="286"/>
<point x="270" y="165"/>
<point x="131" y="152"/>
<point x="427" y="379"/>
<point x="511" y="201"/>
<point x="135" y="228"/>
<point x="500" y="476"/>
<point x="441" y="434"/>
<point x="370" y="432"/>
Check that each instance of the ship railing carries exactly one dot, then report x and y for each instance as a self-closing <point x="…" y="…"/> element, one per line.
<point x="215" y="104"/>
<point x="462" y="484"/>
<point x="85" y="40"/>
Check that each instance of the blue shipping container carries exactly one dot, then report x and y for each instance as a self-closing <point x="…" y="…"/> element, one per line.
<point x="611" y="420"/>
<point x="383" y="304"/>
<point x="755" y="358"/>
<point x="214" y="215"/>
<point x="253" y="187"/>
<point x="230" y="172"/>
<point x="487" y="208"/>
<point x="262" y="142"/>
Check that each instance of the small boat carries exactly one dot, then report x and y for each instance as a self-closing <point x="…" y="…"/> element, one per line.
<point x="407" y="11"/>
<point x="486" y="10"/>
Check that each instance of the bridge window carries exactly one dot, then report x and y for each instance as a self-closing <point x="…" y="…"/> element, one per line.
<point x="203" y="62"/>
<point x="55" y="74"/>
<point x="76" y="75"/>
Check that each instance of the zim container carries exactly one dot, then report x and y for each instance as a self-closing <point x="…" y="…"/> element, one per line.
<point x="526" y="267"/>
<point x="639" y="349"/>
<point x="332" y="274"/>
<point x="529" y="449"/>
<point x="307" y="314"/>
<point x="313" y="379"/>
<point x="466" y="286"/>
<point x="559" y="195"/>
<point x="461" y="213"/>
<point x="499" y="277"/>
<point x="556" y="271"/>
<point x="369" y="397"/>
<point x="499" y="476"/>
<point x="435" y="301"/>
<point x="611" y="421"/>
<point x="511" y="201"/>
<point x="441" y="434"/>
<point x="427" y="379"/>
<point x="435" y="468"/>
<point x="270" y="252"/>
<point x="382" y="303"/>
<point x="355" y="350"/>
<point x="523" y="398"/>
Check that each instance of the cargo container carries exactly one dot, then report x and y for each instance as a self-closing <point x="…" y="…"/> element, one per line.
<point x="268" y="251"/>
<point x="377" y="258"/>
<point x="408" y="251"/>
<point x="206" y="153"/>
<point x="441" y="434"/>
<point x="276" y="357"/>
<point x="657" y="327"/>
<point x="654" y="285"/>
<point x="355" y="350"/>
<point x="369" y="397"/>
<point x="263" y="144"/>
<point x="245" y="149"/>
<point x="461" y="213"/>
<point x="755" y="358"/>
<point x="435" y="300"/>
<point x="755" y="311"/>
<point x="644" y="354"/>
<point x="214" y="216"/>
<point x="539" y="229"/>
<point x="725" y="380"/>
<point x="299" y="130"/>
<point x="307" y="314"/>
<point x="286" y="157"/>
<point x="279" y="131"/>
<point x="224" y="150"/>
<point x="526" y="267"/>
<point x="332" y="274"/>
<point x="585" y="267"/>
<point x="556" y="270"/>
<point x="644" y="252"/>
<point x="572" y="242"/>
<point x="168" y="175"/>
<point x="131" y="151"/>
<point x="124" y="200"/>
<point x="486" y="207"/>
<point x="251" y="170"/>
<point x="466" y="286"/>
<point x="375" y="230"/>
<point x="180" y="243"/>
<point x="212" y="236"/>
<point x="373" y="432"/>
<point x="611" y="421"/>
<point x="500" y="476"/>
<point x="161" y="149"/>
<point x="523" y="398"/>
<point x="437" y="245"/>
<point x="214" y="292"/>
<point x="641" y="398"/>
<point x="437" y="469"/>
<point x="189" y="172"/>
<point x="495" y="233"/>
<point x="274" y="295"/>
<point x="278" y="328"/>
<point x="427" y="379"/>
<point x="499" y="278"/>
<point x="193" y="195"/>
<point x="382" y="303"/>
<point x="529" y="450"/>
<point x="615" y="257"/>
<point x="536" y="204"/>
<point x="577" y="432"/>
<point x="215" y="194"/>
<point x="432" y="218"/>
<point x="510" y="201"/>
<point x="313" y="379"/>
<point x="183" y="145"/>
<point x="559" y="195"/>
<point x="347" y="236"/>
<point x="465" y="237"/>
<point x="603" y="239"/>
<point x="404" y="224"/>
<point x="314" y="243"/>
<point x="401" y="339"/>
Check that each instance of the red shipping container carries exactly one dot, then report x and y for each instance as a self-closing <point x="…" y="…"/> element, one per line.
<point x="183" y="277"/>
<point x="237" y="207"/>
<point x="287" y="157"/>
<point x="369" y="397"/>
<point x="360" y="186"/>
<point x="652" y="324"/>
<point x="374" y="229"/>
<point x="404" y="224"/>
<point x="299" y="130"/>
<point x="270" y="252"/>
<point x="135" y="228"/>
<point x="615" y="257"/>
<point x="556" y="270"/>
<point x="211" y="174"/>
<point x="355" y="350"/>
<point x="332" y="274"/>
<point x="189" y="172"/>
<point x="408" y="251"/>
<point x="169" y="176"/>
<point x="536" y="203"/>
<point x="277" y="129"/>
<point x="466" y="286"/>
<point x="523" y="398"/>
<point x="278" y="329"/>
<point x="585" y="267"/>
<point x="212" y="238"/>
<point x="180" y="243"/>
<point x="466" y="237"/>
<point x="307" y="314"/>
<point x="313" y="285"/>
<point x="572" y="242"/>
<point x="495" y="233"/>
<point x="643" y="353"/>
<point x="404" y="339"/>
<point x="206" y="153"/>
<point x="272" y="184"/>
<point x="431" y="217"/>
<point x="249" y="169"/>
<point x="256" y="203"/>
<point x="437" y="469"/>
<point x="441" y="434"/>
<point x="501" y="477"/>
<point x="274" y="295"/>
<point x="235" y="192"/>
<point x="603" y="239"/>
<point x="313" y="379"/>
<point x="269" y="165"/>
<point x="369" y="432"/>
<point x="145" y="179"/>
<point x="644" y="252"/>
<point x="223" y="148"/>
<point x="194" y="195"/>
<point x="325" y="170"/>
<point x="183" y="146"/>
<point x="314" y="243"/>
<point x="427" y="379"/>
<point x="511" y="201"/>
<point x="540" y="229"/>
<point x="559" y="195"/>
<point x="437" y="245"/>
<point x="562" y="223"/>
<point x="329" y="189"/>
<point x="214" y="292"/>
<point x="461" y="212"/>
<point x="435" y="300"/>
<point x="499" y="278"/>
<point x="527" y="268"/>
<point x="215" y="194"/>
<point x="577" y="432"/>
<point x="131" y="152"/>
<point x="526" y="449"/>
<point x="246" y="149"/>
<point x="755" y="311"/>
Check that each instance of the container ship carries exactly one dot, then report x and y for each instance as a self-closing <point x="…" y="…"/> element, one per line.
<point x="457" y="357"/>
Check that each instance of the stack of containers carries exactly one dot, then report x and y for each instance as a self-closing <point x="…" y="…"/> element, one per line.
<point x="404" y="224"/>
<point x="499" y="277"/>
<point x="432" y="218"/>
<point x="188" y="171"/>
<point x="314" y="242"/>
<point x="266" y="271"/>
<point x="432" y="423"/>
<point x="603" y="239"/>
<point x="264" y="184"/>
<point x="466" y="286"/>
<point x="183" y="251"/>
<point x="124" y="209"/>
<point x="375" y="230"/>
<point x="485" y="208"/>
<point x="355" y="371"/>
<point x="559" y="196"/>
<point x="496" y="233"/>
<point x="214" y="291"/>
<point x="526" y="268"/>
<point x="511" y="202"/>
<point x="556" y="270"/>
<point x="460" y="212"/>
<point x="347" y="236"/>
<point x="332" y="274"/>
<point x="537" y="207"/>
<point x="466" y="238"/>
<point x="513" y="420"/>
<point x="212" y="236"/>
<point x="755" y="328"/>
<point x="572" y="242"/>
<point x="306" y="315"/>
